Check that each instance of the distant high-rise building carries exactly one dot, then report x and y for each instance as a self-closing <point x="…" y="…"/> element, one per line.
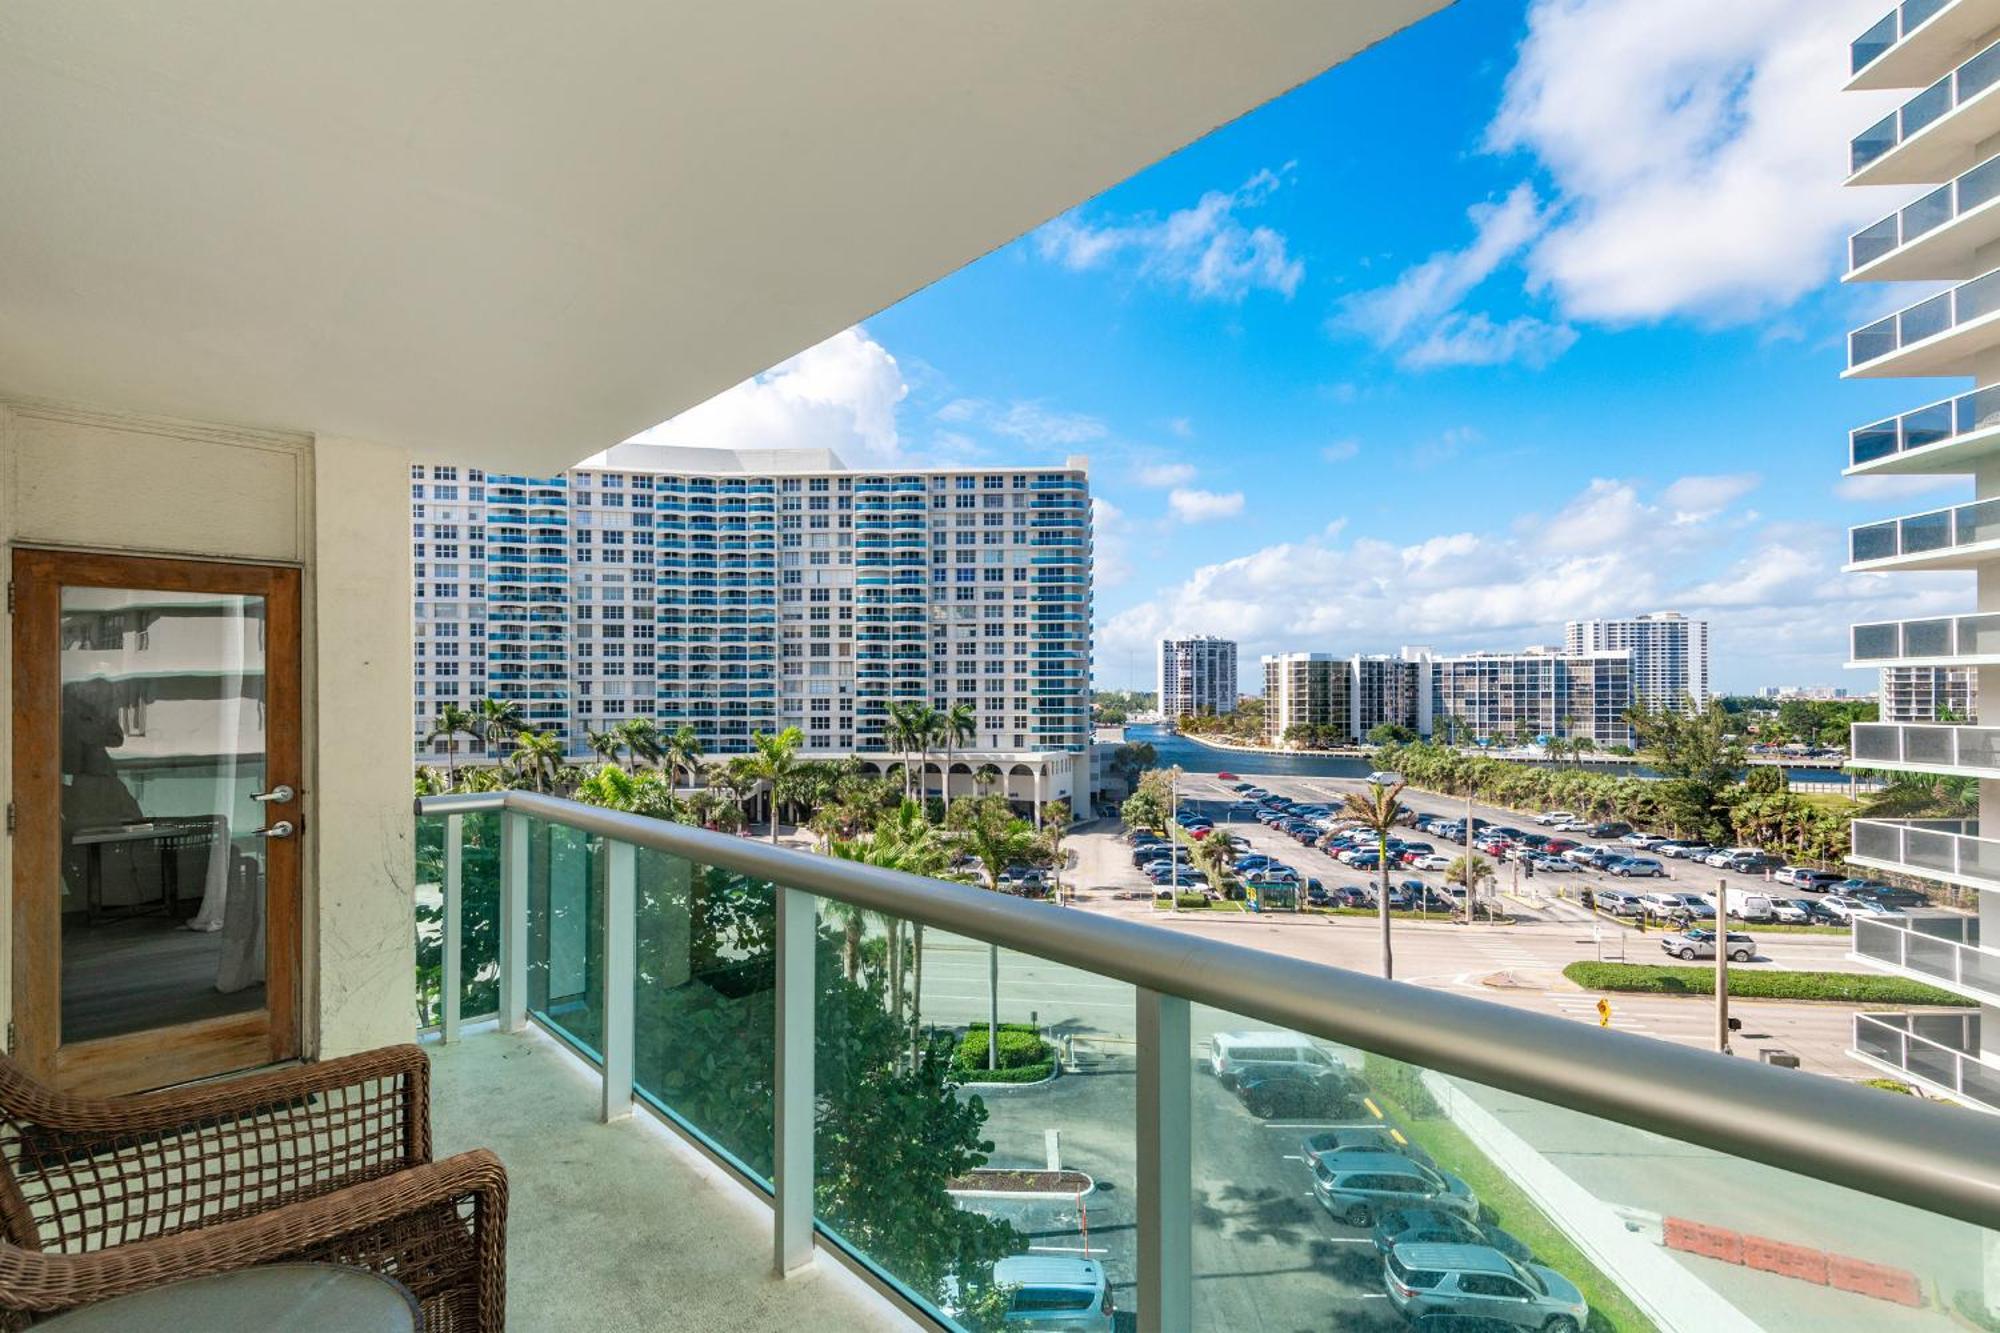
<point x="1929" y="694"/>
<point x="751" y="591"/>
<point x="1669" y="654"/>
<point x="1305" y="690"/>
<point x="1510" y="698"/>
<point x="1197" y="675"/>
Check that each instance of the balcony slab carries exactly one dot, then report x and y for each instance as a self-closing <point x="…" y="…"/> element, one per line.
<point x="622" y="1226"/>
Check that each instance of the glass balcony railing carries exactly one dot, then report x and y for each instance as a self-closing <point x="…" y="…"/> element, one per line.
<point x="1970" y="750"/>
<point x="1945" y="849"/>
<point x="1939" y="946"/>
<point x="1934" y="532"/>
<point x="1941" y="1050"/>
<point x="1942" y="641"/>
<point x="1936" y="423"/>
<point x="809" y="1021"/>
<point x="1893" y="27"/>
<point x="1928" y="107"/>
<point x="1962" y="305"/>
<point x="1947" y="203"/>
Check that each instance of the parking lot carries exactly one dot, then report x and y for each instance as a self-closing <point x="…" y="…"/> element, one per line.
<point x="1267" y="1255"/>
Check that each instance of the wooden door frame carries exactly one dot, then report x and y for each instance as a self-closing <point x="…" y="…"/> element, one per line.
<point x="158" y="1056"/>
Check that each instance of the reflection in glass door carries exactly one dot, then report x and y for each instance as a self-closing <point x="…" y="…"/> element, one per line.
<point x="157" y="775"/>
<point x="162" y="759"/>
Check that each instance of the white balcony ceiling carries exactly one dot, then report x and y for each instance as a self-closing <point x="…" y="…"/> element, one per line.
<point x="518" y="234"/>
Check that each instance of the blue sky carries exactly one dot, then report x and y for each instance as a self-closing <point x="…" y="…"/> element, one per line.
<point x="1530" y="312"/>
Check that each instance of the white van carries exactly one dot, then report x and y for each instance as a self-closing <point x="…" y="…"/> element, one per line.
<point x="1235" y="1053"/>
<point x="1752" y="906"/>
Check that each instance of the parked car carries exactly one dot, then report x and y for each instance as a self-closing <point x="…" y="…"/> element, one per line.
<point x="1800" y="877"/>
<point x="1582" y="856"/>
<point x="1318" y="896"/>
<point x="1610" y="828"/>
<point x="1362" y="1138"/>
<point x="1844" y="909"/>
<point x="1047" y="1291"/>
<point x="1418" y="1226"/>
<point x="1688" y="945"/>
<point x="1553" y="865"/>
<point x="1757" y="907"/>
<point x="1557" y="846"/>
<point x="1358" y="1186"/>
<point x="1666" y="906"/>
<point x="1685" y="851"/>
<point x="1232" y="1054"/>
<point x="1298" y="1091"/>
<point x="1434" y="861"/>
<point x="1619" y="903"/>
<point x="1576" y="826"/>
<point x="1353" y="895"/>
<point x="1886" y="894"/>
<point x="1555" y="817"/>
<point x="1479" y="1281"/>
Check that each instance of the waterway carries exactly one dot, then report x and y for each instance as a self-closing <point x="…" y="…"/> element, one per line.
<point x="1194" y="757"/>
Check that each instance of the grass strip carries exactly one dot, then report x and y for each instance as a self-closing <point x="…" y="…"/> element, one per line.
<point x="1406" y="1102"/>
<point x="1852" y="987"/>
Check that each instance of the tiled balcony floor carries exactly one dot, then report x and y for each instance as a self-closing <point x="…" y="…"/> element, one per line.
<point x="622" y="1226"/>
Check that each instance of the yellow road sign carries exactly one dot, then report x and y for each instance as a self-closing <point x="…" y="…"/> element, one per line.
<point x="1603" y="1012"/>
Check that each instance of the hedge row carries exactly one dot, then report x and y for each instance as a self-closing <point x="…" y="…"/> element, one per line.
<point x="1855" y="987"/>
<point x="1019" y="1074"/>
<point x="1021" y="1047"/>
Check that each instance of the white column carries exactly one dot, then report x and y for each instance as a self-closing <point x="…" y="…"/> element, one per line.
<point x="451" y="981"/>
<point x="620" y="966"/>
<point x="1038" y="794"/>
<point x="792" y="1149"/>
<point x="1165" y="1154"/>
<point x="513" y="921"/>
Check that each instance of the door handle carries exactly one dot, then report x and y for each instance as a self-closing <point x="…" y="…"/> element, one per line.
<point x="281" y="829"/>
<point x="278" y="795"/>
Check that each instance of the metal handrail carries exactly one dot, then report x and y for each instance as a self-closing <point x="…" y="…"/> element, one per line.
<point x="1945" y="1160"/>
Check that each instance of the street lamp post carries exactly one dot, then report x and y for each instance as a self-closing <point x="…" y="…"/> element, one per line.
<point x="1722" y="965"/>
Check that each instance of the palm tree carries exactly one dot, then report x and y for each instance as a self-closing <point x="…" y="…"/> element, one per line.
<point x="899" y="733"/>
<point x="1215" y="857"/>
<point x="956" y="725"/>
<point x="498" y="718"/>
<point x="984" y="778"/>
<point x="996" y="843"/>
<point x="1482" y="873"/>
<point x="771" y="761"/>
<point x="538" y="754"/>
<point x="641" y="737"/>
<point x="926" y="730"/>
<point x="1055" y="827"/>
<point x="603" y="744"/>
<point x="450" y="723"/>
<point x="904" y="839"/>
<point x="682" y="750"/>
<point x="1375" y="810"/>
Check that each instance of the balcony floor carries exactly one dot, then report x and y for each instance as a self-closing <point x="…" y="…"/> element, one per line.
<point x="621" y="1226"/>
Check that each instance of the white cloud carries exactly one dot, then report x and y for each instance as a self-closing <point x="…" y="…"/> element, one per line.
<point x="1164" y="474"/>
<point x="1030" y="422"/>
<point x="841" y="394"/>
<point x="1773" y="592"/>
<point x="1418" y="314"/>
<point x="1206" y="248"/>
<point x="1449" y="444"/>
<point x="1693" y="147"/>
<point x="1182" y="427"/>
<point x="1111" y="563"/>
<point x="1192" y="506"/>
<point x="1340" y="451"/>
<point x="1695" y="498"/>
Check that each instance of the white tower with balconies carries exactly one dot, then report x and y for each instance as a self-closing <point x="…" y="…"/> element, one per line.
<point x="1943" y="140"/>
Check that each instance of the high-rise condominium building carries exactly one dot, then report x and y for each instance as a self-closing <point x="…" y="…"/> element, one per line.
<point x="1304" y="690"/>
<point x="1669" y="654"/>
<point x="1519" y="698"/>
<point x="1494" y="697"/>
<point x="752" y="591"/>
<point x="1929" y="694"/>
<point x="1940" y="143"/>
<point x="1197" y="675"/>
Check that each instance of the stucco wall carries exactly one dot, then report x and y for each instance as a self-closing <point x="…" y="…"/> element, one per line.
<point x="360" y="625"/>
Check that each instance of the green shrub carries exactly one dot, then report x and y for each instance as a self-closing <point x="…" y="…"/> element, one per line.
<point x="1889" y="1085"/>
<point x="1021" y="1047"/>
<point x="1192" y="902"/>
<point x="1854" y="987"/>
<point x="1034" y="1073"/>
<point x="1402" y="1083"/>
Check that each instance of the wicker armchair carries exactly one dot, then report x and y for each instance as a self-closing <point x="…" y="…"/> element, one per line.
<point x="328" y="1162"/>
